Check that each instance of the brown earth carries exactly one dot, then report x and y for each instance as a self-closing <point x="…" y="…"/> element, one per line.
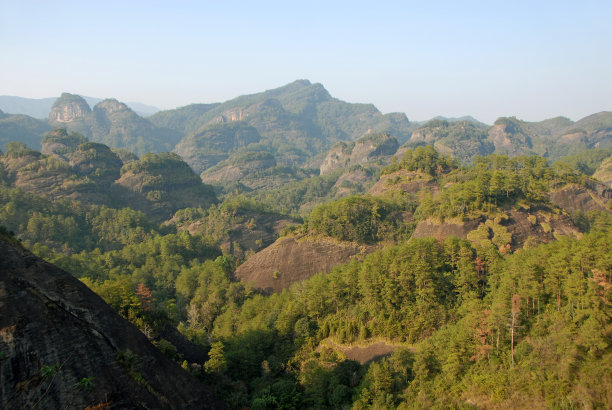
<point x="63" y="347"/>
<point x="441" y="231"/>
<point x="363" y="354"/>
<point x="295" y="259"/>
<point x="544" y="226"/>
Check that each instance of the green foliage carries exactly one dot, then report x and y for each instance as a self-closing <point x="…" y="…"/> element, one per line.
<point x="19" y="150"/>
<point x="424" y="159"/>
<point x="585" y="162"/>
<point x="216" y="362"/>
<point x="362" y="219"/>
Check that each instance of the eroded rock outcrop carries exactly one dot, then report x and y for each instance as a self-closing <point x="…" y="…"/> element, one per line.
<point x="365" y="149"/>
<point x="292" y="259"/>
<point x="63" y="347"/>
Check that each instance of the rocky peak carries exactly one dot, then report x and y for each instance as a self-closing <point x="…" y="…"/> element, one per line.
<point x="67" y="108"/>
<point x="111" y="106"/>
<point x="359" y="152"/>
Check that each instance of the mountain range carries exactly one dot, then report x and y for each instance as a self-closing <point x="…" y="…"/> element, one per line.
<point x="297" y="124"/>
<point x="290" y="250"/>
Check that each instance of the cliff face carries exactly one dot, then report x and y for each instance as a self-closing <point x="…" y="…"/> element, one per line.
<point x="61" y="346"/>
<point x="68" y="108"/>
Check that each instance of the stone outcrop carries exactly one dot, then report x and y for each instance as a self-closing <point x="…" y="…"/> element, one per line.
<point x="292" y="259"/>
<point x="61" y="346"/>
<point x="365" y="149"/>
<point x="68" y="108"/>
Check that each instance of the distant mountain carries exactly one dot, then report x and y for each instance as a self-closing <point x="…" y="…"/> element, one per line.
<point x="467" y="118"/>
<point x="295" y="122"/>
<point x="111" y="122"/>
<point x="359" y="152"/>
<point x="462" y="139"/>
<point x="22" y="128"/>
<point x="40" y="107"/>
<point x="553" y="138"/>
<point x="71" y="167"/>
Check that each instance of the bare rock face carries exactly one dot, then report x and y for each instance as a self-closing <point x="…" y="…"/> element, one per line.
<point x="291" y="260"/>
<point x="365" y="149"/>
<point x="68" y="108"/>
<point x="63" y="347"/>
<point x="443" y="230"/>
<point x="573" y="198"/>
<point x="511" y="136"/>
<point x="337" y="157"/>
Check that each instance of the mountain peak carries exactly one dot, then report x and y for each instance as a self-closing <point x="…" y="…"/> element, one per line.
<point x="68" y="107"/>
<point x="111" y="105"/>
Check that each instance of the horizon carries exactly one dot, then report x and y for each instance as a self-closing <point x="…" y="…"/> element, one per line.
<point x="479" y="59"/>
<point x="130" y="103"/>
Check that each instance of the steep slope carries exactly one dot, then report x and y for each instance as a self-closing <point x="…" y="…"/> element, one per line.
<point x="595" y="130"/>
<point x="604" y="172"/>
<point x="512" y="137"/>
<point x="62" y="346"/>
<point x="70" y="167"/>
<point x="118" y="126"/>
<point x="293" y="259"/>
<point x="215" y="143"/>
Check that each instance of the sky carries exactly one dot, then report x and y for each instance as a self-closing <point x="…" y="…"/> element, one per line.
<point x="488" y="59"/>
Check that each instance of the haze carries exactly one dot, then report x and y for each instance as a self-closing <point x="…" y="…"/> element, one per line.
<point x="485" y="59"/>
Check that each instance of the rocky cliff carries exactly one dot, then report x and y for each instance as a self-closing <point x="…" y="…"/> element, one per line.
<point x="61" y="346"/>
<point x="291" y="260"/>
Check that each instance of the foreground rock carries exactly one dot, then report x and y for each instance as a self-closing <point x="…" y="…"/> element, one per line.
<point x="61" y="346"/>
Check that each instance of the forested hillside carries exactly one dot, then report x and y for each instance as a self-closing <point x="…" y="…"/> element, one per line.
<point x="292" y="250"/>
<point x="379" y="281"/>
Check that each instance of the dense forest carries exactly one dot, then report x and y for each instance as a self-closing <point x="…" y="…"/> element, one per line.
<point x="485" y="278"/>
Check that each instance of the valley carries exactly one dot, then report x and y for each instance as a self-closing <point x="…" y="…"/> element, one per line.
<point x="287" y="249"/>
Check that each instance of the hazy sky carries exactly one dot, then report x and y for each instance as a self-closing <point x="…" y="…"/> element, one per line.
<point x="534" y="60"/>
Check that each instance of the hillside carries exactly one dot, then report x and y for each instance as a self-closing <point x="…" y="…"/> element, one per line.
<point x="463" y="140"/>
<point x="21" y="128"/>
<point x="63" y="346"/>
<point x="71" y="167"/>
<point x="289" y="233"/>
<point x="295" y="121"/>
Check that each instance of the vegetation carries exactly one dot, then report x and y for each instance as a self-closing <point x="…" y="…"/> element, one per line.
<point x="471" y="322"/>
